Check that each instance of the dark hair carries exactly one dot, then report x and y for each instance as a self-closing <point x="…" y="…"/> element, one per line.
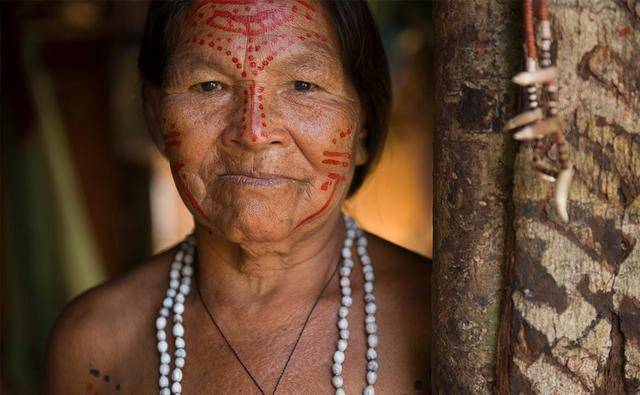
<point x="363" y="59"/>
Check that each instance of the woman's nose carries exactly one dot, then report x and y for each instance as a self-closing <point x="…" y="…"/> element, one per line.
<point x="258" y="126"/>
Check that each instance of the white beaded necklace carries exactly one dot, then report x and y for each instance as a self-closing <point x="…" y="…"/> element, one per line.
<point x="180" y="285"/>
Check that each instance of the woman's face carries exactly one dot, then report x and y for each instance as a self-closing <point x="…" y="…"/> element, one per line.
<point x="258" y="120"/>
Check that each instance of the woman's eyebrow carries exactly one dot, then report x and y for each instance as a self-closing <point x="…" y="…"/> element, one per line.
<point x="321" y="50"/>
<point x="197" y="60"/>
<point x="321" y="47"/>
<point x="318" y="56"/>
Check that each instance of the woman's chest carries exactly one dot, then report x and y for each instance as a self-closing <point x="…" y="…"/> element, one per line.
<point x="244" y="354"/>
<point x="268" y="359"/>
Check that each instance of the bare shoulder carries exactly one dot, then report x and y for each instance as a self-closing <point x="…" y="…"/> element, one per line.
<point x="404" y="277"/>
<point x="403" y="283"/>
<point x="401" y="267"/>
<point x="96" y="329"/>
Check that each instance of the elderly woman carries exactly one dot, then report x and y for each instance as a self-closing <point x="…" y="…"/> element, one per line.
<point x="270" y="113"/>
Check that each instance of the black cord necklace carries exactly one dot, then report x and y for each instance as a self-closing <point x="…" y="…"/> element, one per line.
<point x="294" y="346"/>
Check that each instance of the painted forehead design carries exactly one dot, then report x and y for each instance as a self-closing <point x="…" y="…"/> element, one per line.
<point x="253" y="17"/>
<point x="244" y="16"/>
<point x="250" y="35"/>
<point x="256" y="24"/>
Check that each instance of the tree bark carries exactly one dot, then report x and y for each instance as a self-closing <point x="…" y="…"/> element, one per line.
<point x="477" y="50"/>
<point x="573" y="317"/>
<point x="569" y="320"/>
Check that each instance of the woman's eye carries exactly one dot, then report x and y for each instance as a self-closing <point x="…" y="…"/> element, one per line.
<point x="210" y="86"/>
<point x="302" y="86"/>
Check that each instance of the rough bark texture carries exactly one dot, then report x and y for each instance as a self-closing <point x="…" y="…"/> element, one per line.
<point x="573" y="316"/>
<point x="478" y="49"/>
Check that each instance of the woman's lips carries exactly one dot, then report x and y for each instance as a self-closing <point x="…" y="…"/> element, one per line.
<point x="260" y="180"/>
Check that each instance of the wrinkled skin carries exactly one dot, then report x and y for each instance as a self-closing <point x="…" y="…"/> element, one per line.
<point x="261" y="157"/>
<point x="265" y="191"/>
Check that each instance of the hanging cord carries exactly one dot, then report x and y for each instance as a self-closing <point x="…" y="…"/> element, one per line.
<point x="532" y="91"/>
<point x="541" y="118"/>
<point x="565" y="173"/>
<point x="294" y="346"/>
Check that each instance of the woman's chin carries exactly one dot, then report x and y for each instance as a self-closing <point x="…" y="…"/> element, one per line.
<point x="254" y="225"/>
<point x="252" y="213"/>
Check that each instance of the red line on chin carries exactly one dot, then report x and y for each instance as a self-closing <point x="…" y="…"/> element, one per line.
<point x="324" y="206"/>
<point x="192" y="200"/>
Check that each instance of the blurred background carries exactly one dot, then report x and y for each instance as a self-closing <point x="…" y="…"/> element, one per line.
<point x="85" y="195"/>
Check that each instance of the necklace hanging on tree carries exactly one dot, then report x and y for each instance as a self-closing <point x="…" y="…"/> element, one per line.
<point x="540" y="119"/>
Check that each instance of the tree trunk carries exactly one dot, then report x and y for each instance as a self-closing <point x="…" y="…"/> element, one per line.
<point x="573" y="318"/>
<point x="477" y="50"/>
<point x="570" y="317"/>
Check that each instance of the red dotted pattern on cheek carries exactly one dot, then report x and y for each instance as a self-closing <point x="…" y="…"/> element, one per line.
<point x="346" y="133"/>
<point x="172" y="138"/>
<point x="333" y="156"/>
<point x="337" y="160"/>
<point x="343" y="134"/>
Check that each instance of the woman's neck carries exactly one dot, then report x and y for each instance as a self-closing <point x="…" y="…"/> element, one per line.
<point x="253" y="277"/>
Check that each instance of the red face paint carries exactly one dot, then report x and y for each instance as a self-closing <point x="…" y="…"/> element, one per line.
<point x="324" y="206"/>
<point x="346" y="133"/>
<point x="171" y="139"/>
<point x="250" y="24"/>
<point x="180" y="179"/>
<point x="334" y="178"/>
<point x="332" y="154"/>
<point x="252" y="20"/>
<point x="243" y="45"/>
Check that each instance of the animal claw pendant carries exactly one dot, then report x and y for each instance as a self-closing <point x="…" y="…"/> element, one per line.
<point x="540" y="120"/>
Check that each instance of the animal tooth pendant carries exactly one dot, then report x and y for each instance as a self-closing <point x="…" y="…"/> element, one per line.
<point x="540" y="119"/>
<point x="524" y="118"/>
<point x="539" y="76"/>
<point x="539" y="129"/>
<point x="562" y="192"/>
